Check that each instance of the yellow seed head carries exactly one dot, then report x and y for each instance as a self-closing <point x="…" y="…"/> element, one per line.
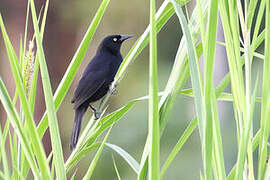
<point x="29" y="67"/>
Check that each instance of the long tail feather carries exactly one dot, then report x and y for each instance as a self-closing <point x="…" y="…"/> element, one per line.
<point x="76" y="127"/>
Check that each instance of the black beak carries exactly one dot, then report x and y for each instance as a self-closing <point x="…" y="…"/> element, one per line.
<point x="125" y="37"/>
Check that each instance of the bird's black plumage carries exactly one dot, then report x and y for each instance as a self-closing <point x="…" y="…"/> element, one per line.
<point x="96" y="79"/>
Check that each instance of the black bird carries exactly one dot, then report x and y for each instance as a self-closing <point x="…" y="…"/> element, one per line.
<point x="96" y="80"/>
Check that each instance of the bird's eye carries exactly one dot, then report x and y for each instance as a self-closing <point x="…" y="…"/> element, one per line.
<point x="114" y="39"/>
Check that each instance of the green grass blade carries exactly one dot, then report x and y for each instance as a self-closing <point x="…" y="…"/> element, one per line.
<point x="245" y="138"/>
<point x="74" y="65"/>
<point x="26" y="28"/>
<point x="32" y="94"/>
<point x="13" y="144"/>
<point x="95" y="160"/>
<point x="212" y="126"/>
<point x="127" y="157"/>
<point x="188" y="131"/>
<point x="53" y="123"/>
<point x="196" y="84"/>
<point x="15" y="121"/>
<point x="265" y="110"/>
<point x="255" y="144"/>
<point x="153" y="114"/>
<point x="224" y="96"/>
<point x="258" y="20"/>
<point x="251" y="11"/>
<point x="177" y="79"/>
<point x="230" y="22"/>
<point x="194" y="67"/>
<point x="36" y="142"/>
<point x="4" y="157"/>
<point x="218" y="151"/>
<point x="233" y="48"/>
<point x="115" y="168"/>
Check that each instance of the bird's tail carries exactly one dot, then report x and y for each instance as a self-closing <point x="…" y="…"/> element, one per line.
<point x="76" y="127"/>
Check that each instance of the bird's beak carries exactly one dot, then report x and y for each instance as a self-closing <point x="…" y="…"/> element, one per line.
<point x="125" y="37"/>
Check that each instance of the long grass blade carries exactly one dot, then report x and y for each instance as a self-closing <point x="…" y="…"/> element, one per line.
<point x="265" y="110"/>
<point x="212" y="126"/>
<point x="53" y="123"/>
<point x="153" y="118"/>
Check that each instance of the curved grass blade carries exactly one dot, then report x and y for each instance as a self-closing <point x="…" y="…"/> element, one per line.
<point x="127" y="157"/>
<point x="194" y="67"/>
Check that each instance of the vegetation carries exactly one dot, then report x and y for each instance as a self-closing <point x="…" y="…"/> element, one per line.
<point x="243" y="35"/>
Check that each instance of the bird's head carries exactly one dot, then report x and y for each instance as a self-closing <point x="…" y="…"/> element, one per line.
<point x="113" y="43"/>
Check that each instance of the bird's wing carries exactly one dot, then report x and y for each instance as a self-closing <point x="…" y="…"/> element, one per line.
<point x="87" y="86"/>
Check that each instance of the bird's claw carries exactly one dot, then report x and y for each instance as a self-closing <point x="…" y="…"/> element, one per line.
<point x="96" y="112"/>
<point x="97" y="115"/>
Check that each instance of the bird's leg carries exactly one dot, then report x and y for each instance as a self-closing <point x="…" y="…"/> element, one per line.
<point x="96" y="113"/>
<point x="113" y="90"/>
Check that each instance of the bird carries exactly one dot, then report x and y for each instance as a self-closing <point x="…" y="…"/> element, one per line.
<point x="96" y="80"/>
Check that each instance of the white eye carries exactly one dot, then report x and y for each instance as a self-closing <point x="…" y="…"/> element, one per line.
<point x="114" y="39"/>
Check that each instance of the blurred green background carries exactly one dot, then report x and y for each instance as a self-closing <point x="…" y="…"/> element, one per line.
<point x="66" y="24"/>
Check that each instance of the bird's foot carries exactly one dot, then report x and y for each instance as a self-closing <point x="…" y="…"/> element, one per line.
<point x="96" y="113"/>
<point x="113" y="90"/>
